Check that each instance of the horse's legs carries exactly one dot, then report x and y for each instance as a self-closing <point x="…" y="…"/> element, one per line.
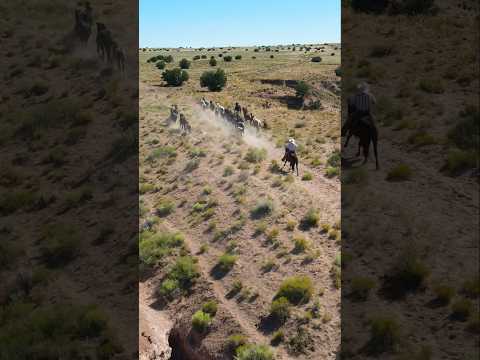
<point x="375" y="140"/>
<point x="366" y="148"/>
<point x="348" y="139"/>
<point x="359" y="145"/>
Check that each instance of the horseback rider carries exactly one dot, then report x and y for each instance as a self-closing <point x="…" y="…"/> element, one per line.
<point x="290" y="149"/>
<point x="360" y="106"/>
<point x="238" y="108"/>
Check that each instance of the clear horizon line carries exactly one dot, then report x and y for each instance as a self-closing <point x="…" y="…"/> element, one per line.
<point x="241" y="46"/>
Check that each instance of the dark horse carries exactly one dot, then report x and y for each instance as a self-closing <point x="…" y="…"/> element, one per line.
<point x="292" y="159"/>
<point x="366" y="132"/>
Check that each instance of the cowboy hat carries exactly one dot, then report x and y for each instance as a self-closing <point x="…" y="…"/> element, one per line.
<point x="363" y="86"/>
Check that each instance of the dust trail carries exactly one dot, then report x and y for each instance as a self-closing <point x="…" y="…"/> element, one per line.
<point x="251" y="136"/>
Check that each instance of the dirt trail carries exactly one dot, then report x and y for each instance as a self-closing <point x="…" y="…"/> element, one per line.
<point x="154" y="328"/>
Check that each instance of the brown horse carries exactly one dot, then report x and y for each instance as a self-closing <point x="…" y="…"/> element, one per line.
<point x="292" y="159"/>
<point x="366" y="131"/>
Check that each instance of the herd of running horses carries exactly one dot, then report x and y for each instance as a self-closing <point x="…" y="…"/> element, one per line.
<point x="108" y="48"/>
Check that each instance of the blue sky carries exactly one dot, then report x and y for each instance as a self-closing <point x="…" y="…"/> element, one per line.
<point x="206" y="23"/>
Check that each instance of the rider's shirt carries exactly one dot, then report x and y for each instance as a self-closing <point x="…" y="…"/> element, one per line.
<point x="362" y="102"/>
<point x="291" y="147"/>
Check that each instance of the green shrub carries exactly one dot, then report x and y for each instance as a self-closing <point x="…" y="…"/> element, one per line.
<point x="384" y="334"/>
<point x="332" y="171"/>
<point x="168" y="58"/>
<point x="400" y="172"/>
<point x="197" y="57"/>
<point x="432" y="86"/>
<point x="277" y="337"/>
<point x="254" y="352"/>
<point x="185" y="271"/>
<point x="296" y="289"/>
<point x="227" y="58"/>
<point x="153" y="247"/>
<point x="168" y="288"/>
<point x="444" y="293"/>
<point x="11" y="201"/>
<point x="461" y="309"/>
<point x="160" y="65"/>
<point x="334" y="159"/>
<point x="255" y="155"/>
<point x="311" y="218"/>
<point x="361" y="287"/>
<point x="175" y="77"/>
<point x="300" y="244"/>
<point x="307" y="176"/>
<point x="213" y="80"/>
<point x="316" y="59"/>
<point x="210" y="307"/>
<point x="235" y="341"/>
<point x="263" y="208"/>
<point x="226" y="262"/>
<point x="471" y="287"/>
<point x="60" y="244"/>
<point x="212" y="61"/>
<point x="184" y="64"/>
<point x="301" y="342"/>
<point x="238" y="57"/>
<point x="460" y="160"/>
<point x="302" y="89"/>
<point x="164" y="207"/>
<point x="228" y="171"/>
<point x="201" y="321"/>
<point x="280" y="309"/>
<point x="465" y="134"/>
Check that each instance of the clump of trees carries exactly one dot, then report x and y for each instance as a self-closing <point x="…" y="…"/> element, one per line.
<point x="154" y="59"/>
<point x="184" y="64"/>
<point x="302" y="89"/>
<point x="213" y="80"/>
<point x="175" y="77"/>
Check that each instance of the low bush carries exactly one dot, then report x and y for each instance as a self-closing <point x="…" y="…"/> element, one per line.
<point x="184" y="64"/>
<point x="461" y="309"/>
<point x="400" y="172"/>
<point x="307" y="176"/>
<point x="238" y="57"/>
<point x="210" y="307"/>
<point x="175" y="77"/>
<point x="316" y="59"/>
<point x="361" y="287"/>
<point x="460" y="160"/>
<point x="384" y="334"/>
<point x="263" y="208"/>
<point x="226" y="262"/>
<point x="444" y="293"/>
<point x="254" y="352"/>
<point x="311" y="218"/>
<point x="212" y="61"/>
<point x="255" y="155"/>
<point x="213" y="80"/>
<point x="300" y="244"/>
<point x="227" y="58"/>
<point x="280" y="309"/>
<point x="60" y="244"/>
<point x="296" y="289"/>
<point x="302" y="89"/>
<point x="235" y="341"/>
<point x="201" y="321"/>
<point x="160" y="65"/>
